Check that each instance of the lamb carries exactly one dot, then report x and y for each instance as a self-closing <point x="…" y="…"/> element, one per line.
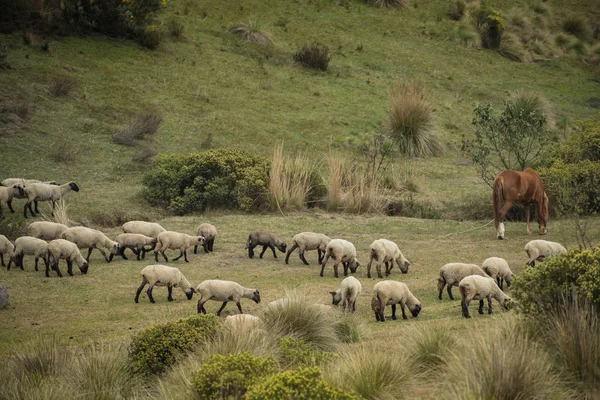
<point x="538" y="250"/>
<point x="342" y="251"/>
<point x="6" y="247"/>
<point x="151" y="229"/>
<point x="46" y="230"/>
<point x="266" y="240"/>
<point x="27" y="245"/>
<point x="241" y="321"/>
<point x="224" y="291"/>
<point x="498" y="269"/>
<point x="174" y="241"/>
<point x="452" y="273"/>
<point x="209" y="232"/>
<point x="393" y="292"/>
<point x="475" y="287"/>
<point x="347" y="294"/>
<point x="136" y="242"/>
<point x="308" y="241"/>
<point x="162" y="275"/>
<point x="386" y="251"/>
<point x="41" y="191"/>
<point x="7" y="194"/>
<point x="61" y="248"/>
<point x="87" y="238"/>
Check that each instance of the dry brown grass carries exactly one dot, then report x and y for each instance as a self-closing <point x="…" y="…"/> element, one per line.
<point x="62" y="86"/>
<point x="253" y="32"/>
<point x="139" y="127"/>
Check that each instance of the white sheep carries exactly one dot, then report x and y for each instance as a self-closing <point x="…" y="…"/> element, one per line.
<point x="21" y="181"/>
<point x="63" y="249"/>
<point x="452" y="273"/>
<point x="27" y="245"/>
<point x="342" y="251"/>
<point x="162" y="275"/>
<point x="151" y="229"/>
<point x="392" y="293"/>
<point x="538" y="250"/>
<point x="241" y="321"/>
<point x="209" y="232"/>
<point x="266" y="240"/>
<point x="476" y="287"/>
<point x="6" y="247"/>
<point x="224" y="291"/>
<point x="46" y="230"/>
<point x="136" y="242"/>
<point x="386" y="251"/>
<point x="347" y="294"/>
<point x="41" y="191"/>
<point x="175" y="240"/>
<point x="6" y="195"/>
<point x="87" y="238"/>
<point x="498" y="269"/>
<point x="308" y="241"/>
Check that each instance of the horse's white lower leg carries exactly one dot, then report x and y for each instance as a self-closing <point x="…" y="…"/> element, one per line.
<point x="500" y="230"/>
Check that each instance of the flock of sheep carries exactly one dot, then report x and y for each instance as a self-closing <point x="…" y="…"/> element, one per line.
<point x="52" y="242"/>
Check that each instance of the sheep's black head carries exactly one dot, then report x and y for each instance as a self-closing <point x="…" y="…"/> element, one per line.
<point x="256" y="296"/>
<point x="416" y="310"/>
<point x="115" y="249"/>
<point x="508" y="279"/>
<point x="354" y="266"/>
<point x="507" y="304"/>
<point x="404" y="266"/>
<point x="201" y="240"/>
<point x="189" y="293"/>
<point x="19" y="190"/>
<point x="74" y="186"/>
<point x="84" y="268"/>
<point x="282" y="246"/>
<point x="336" y="297"/>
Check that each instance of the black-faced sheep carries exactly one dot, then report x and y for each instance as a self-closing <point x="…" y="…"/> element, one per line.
<point x="392" y="293"/>
<point x="22" y="183"/>
<point x="451" y="274"/>
<point x="347" y="294"/>
<point x="386" y="251"/>
<point x="27" y="245"/>
<point x="538" y="250"/>
<point x="6" y="196"/>
<point x="87" y="238"/>
<point x="151" y="229"/>
<point x="497" y="268"/>
<point x="136" y="242"/>
<point x="162" y="275"/>
<point x="46" y="230"/>
<point x="266" y="240"/>
<point x="342" y="251"/>
<point x="175" y="241"/>
<point x="475" y="287"/>
<point x="224" y="291"/>
<point x="308" y="241"/>
<point x="61" y="248"/>
<point x="40" y="191"/>
<point x="209" y="233"/>
<point x="6" y="247"/>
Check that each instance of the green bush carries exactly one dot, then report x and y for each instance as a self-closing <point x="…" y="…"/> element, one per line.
<point x="220" y="178"/>
<point x="230" y="376"/>
<point x="298" y="353"/>
<point x="302" y="383"/>
<point x="154" y="349"/>
<point x="549" y="284"/>
<point x="314" y="55"/>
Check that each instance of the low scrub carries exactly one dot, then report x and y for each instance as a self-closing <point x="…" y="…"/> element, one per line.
<point x="314" y="55"/>
<point x="175" y="28"/>
<point x="578" y="27"/>
<point x="62" y="86"/>
<point x="297" y="353"/>
<point x="490" y="25"/>
<point x="139" y="127"/>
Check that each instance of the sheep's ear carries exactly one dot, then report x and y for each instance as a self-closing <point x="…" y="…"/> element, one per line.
<point x="332" y="293"/>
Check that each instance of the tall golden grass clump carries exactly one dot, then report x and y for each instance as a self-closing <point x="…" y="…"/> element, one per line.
<point x="411" y="121"/>
<point x="253" y="32"/>
<point x="530" y="104"/>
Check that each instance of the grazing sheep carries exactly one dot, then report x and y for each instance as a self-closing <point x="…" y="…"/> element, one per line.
<point x="175" y="240"/>
<point x="136" y="242"/>
<point x="499" y="270"/>
<point x="61" y="248"/>
<point x="151" y="229"/>
<point x="209" y="232"/>
<point x="41" y="191"/>
<point x="7" y="194"/>
<point x="308" y="241"/>
<point x="475" y="287"/>
<point x="342" y="251"/>
<point x="6" y="247"/>
<point x="266" y="240"/>
<point x="386" y="251"/>
<point x="21" y="181"/>
<point x="46" y="230"/>
<point x="452" y="273"/>
<point x="241" y="321"/>
<point x="347" y="294"/>
<point x="27" y="245"/>
<point x="224" y="291"/>
<point x="538" y="250"/>
<point x="392" y="293"/>
<point x="162" y="275"/>
<point x="87" y="238"/>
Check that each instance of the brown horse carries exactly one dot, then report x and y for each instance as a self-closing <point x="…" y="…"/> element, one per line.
<point x="522" y="188"/>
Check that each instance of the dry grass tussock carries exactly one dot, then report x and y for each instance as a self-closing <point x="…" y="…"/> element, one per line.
<point x="388" y="3"/>
<point x="139" y="127"/>
<point x="253" y="32"/>
<point x="61" y="214"/>
<point x="529" y="104"/>
<point x="314" y="55"/>
<point x="512" y="48"/>
<point x="62" y="86"/>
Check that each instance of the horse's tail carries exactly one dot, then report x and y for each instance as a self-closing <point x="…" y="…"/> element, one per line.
<point x="498" y="198"/>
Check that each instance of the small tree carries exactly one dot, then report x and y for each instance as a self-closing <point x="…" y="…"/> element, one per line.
<point x="377" y="150"/>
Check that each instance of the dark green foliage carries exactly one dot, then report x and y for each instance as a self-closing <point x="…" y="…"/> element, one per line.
<point x="490" y="25"/>
<point x="298" y="353"/>
<point x="549" y="284"/>
<point x="457" y="10"/>
<point x="230" y="376"/>
<point x="175" y="28"/>
<point x="156" y="348"/>
<point x="315" y="56"/>
<point x="220" y="178"/>
<point x="148" y="37"/>
<point x="578" y="27"/>
<point x="298" y="384"/>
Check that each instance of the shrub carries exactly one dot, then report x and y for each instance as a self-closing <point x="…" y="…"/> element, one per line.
<point x="430" y="348"/>
<point x="419" y="208"/>
<point x="410" y="121"/>
<point x="490" y="25"/>
<point x="302" y="383"/>
<point x="143" y="155"/>
<point x="464" y="35"/>
<point x="154" y="349"/>
<point x="63" y="151"/>
<point x="457" y="10"/>
<point x="142" y="124"/>
<point x="252" y="31"/>
<point x="578" y="27"/>
<point x="219" y="178"/>
<point x="230" y="376"/>
<point x="512" y="48"/>
<point x="298" y="353"/>
<point x="388" y="3"/>
<point x="62" y="86"/>
<point x="175" y="28"/>
<point x="315" y="56"/>
<point x="149" y="38"/>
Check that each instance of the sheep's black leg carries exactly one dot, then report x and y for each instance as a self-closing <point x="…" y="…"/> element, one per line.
<point x="37" y="210"/>
<point x="345" y="264"/>
<point x="206" y="246"/>
<point x="104" y="254"/>
<point x="378" y="267"/>
<point x="251" y="250"/>
<point x="35" y="265"/>
<point x="57" y="269"/>
<point x="2" y="259"/>
<point x="9" y="204"/>
<point x="303" y="258"/>
<point x="156" y="256"/>
<point x="185" y="256"/>
<point x="10" y="261"/>
<point x="47" y="270"/>
<point x="239" y="306"/>
<point x="24" y="210"/>
<point x="489" y="299"/>
<point x="164" y="256"/>
<point x="122" y="253"/>
<point x="321" y="255"/>
<point x="139" y="290"/>
<point x="465" y="309"/>
<point x="170" y="289"/>
<point x="263" y="251"/>
<point x="289" y="252"/>
<point x="149" y="293"/>
<point x="211" y="245"/>
<point x="323" y="265"/>
<point x="221" y="309"/>
<point x="481" y="306"/>
<point x="201" y="309"/>
<point x="196" y="249"/>
<point x="335" y="269"/>
<point x="53" y="204"/>
<point x="403" y="311"/>
<point x="393" y="311"/>
<point x="89" y="254"/>
<point x="499" y="282"/>
<point x="179" y="256"/>
<point x="449" y="292"/>
<point x="70" y="267"/>
<point x="273" y="250"/>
